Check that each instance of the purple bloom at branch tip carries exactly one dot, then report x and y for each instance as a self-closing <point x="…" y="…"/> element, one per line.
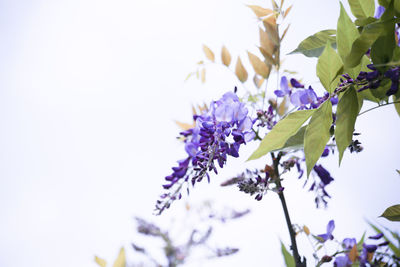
<point x="349" y="243"/>
<point x="296" y="84"/>
<point x="284" y="88"/>
<point x="329" y="229"/>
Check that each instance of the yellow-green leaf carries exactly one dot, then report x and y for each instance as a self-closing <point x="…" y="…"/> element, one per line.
<point x="289" y="260"/>
<point x="121" y="260"/>
<point x="362" y="8"/>
<point x="281" y="132"/>
<point x="100" y="262"/>
<point x="209" y="54"/>
<point x="328" y="67"/>
<point x="392" y="213"/>
<point x="317" y="134"/>
<point x="346" y="115"/>
<point x="260" y="11"/>
<point x="240" y="71"/>
<point x="259" y="66"/>
<point x="225" y="56"/>
<point x="313" y="45"/>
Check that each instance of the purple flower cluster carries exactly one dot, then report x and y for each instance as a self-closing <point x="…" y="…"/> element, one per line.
<point x="218" y="132"/>
<point x="348" y="244"/>
<point x="302" y="98"/>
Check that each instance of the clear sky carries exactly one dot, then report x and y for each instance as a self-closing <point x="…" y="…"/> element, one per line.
<point x="89" y="91"/>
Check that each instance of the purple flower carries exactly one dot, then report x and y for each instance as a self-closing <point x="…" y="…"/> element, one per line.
<point x="329" y="229"/>
<point x="295" y="83"/>
<point x="323" y="174"/>
<point x="284" y="88"/>
<point x="303" y="97"/>
<point x="376" y="237"/>
<point x="379" y="11"/>
<point x="342" y="261"/>
<point x="349" y="243"/>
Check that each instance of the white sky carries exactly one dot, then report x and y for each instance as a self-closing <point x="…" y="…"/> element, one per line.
<point x="88" y="94"/>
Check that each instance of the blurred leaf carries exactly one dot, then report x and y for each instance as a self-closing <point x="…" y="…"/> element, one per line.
<point x="317" y="134"/>
<point x="209" y="54"/>
<point x="267" y="46"/>
<point x="361" y="242"/>
<point x="258" y="81"/>
<point x="397" y="105"/>
<point x="353" y="254"/>
<point x="398" y="171"/>
<point x="328" y="67"/>
<point x="225" y="56"/>
<point x="100" y="262"/>
<point x="272" y="29"/>
<point x="189" y="75"/>
<point x="240" y="71"/>
<point x="121" y="260"/>
<point x="289" y="260"/>
<point x="313" y="45"/>
<point x="306" y="230"/>
<point x="392" y="213"/>
<point x="362" y="8"/>
<point x="184" y="126"/>
<point x="203" y="75"/>
<point x="281" y="132"/>
<point x="260" y="11"/>
<point x="267" y="56"/>
<point x="361" y="45"/>
<point x="282" y="107"/>
<point x="259" y="66"/>
<point x="346" y="115"/>
<point x="287" y="11"/>
<point x="284" y="32"/>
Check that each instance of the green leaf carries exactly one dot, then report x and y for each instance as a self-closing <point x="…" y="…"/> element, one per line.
<point x="347" y="33"/>
<point x="397" y="105"/>
<point x="281" y="132"/>
<point x="360" y="243"/>
<point x="313" y="45"/>
<point x="328" y="67"/>
<point x="392" y="213"/>
<point x="346" y="115"/>
<point x="289" y="260"/>
<point x="368" y="36"/>
<point x="294" y="142"/>
<point x="382" y="49"/>
<point x="362" y="8"/>
<point x="317" y="134"/>
<point x="364" y="21"/>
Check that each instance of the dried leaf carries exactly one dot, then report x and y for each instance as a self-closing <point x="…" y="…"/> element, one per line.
<point x="284" y="32"/>
<point x="240" y="71"/>
<point x="266" y="43"/>
<point x="259" y="66"/>
<point x="209" y="54"/>
<point x="271" y="28"/>
<point x="282" y="3"/>
<point x="282" y="107"/>
<point x="274" y="4"/>
<point x="258" y="81"/>
<point x="225" y="56"/>
<point x="267" y="56"/>
<point x="185" y="126"/>
<point x="203" y="75"/>
<point x="306" y="230"/>
<point x="260" y="11"/>
<point x="353" y="254"/>
<point x="287" y="11"/>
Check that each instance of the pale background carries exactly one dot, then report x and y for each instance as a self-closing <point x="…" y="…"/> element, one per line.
<point x="88" y="94"/>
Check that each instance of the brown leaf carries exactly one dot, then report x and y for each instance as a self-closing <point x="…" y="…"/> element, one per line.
<point x="240" y="71"/>
<point x="284" y="32"/>
<point x="260" y="11"/>
<point x="185" y="126"/>
<point x="266" y="43"/>
<point x="306" y="230"/>
<point x="274" y="4"/>
<point x="258" y="81"/>
<point x="271" y="28"/>
<point x="225" y="56"/>
<point x="287" y="11"/>
<point x="282" y="107"/>
<point x="209" y="54"/>
<point x="282" y="3"/>
<point x="353" y="254"/>
<point x="259" y="66"/>
<point x="203" y="75"/>
<point x="267" y="56"/>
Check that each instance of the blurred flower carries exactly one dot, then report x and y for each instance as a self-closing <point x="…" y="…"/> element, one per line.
<point x="329" y="229"/>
